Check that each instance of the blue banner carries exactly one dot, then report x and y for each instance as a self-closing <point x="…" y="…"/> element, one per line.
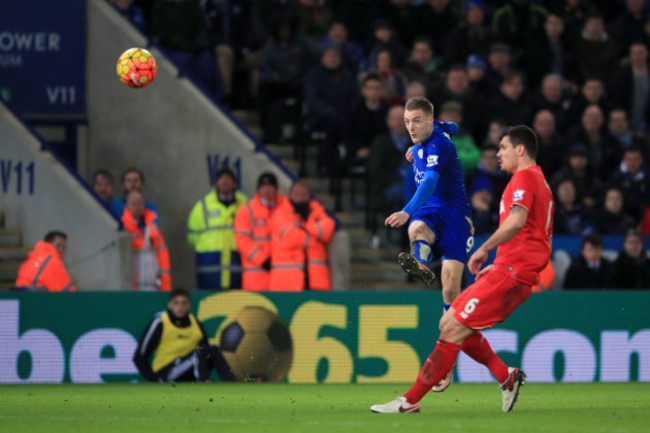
<point x="43" y="56"/>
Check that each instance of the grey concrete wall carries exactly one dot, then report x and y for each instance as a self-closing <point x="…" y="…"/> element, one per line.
<point x="167" y="129"/>
<point x="39" y="195"/>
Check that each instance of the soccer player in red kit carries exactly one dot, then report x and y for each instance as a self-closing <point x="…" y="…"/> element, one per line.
<point x="524" y="248"/>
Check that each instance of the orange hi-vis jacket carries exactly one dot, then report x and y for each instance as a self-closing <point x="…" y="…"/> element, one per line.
<point x="299" y="253"/>
<point x="253" y="238"/>
<point x="147" y="244"/>
<point x="44" y="269"/>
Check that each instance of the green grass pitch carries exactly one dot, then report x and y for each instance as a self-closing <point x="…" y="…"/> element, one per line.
<point x="219" y="407"/>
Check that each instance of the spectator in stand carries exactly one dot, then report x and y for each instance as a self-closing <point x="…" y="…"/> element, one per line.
<point x="571" y="216"/>
<point x="150" y="259"/>
<point x="604" y="152"/>
<point x="476" y="74"/>
<point x="352" y="54"/>
<point x="632" y="180"/>
<point x="131" y="13"/>
<point x="180" y="29"/>
<point x="488" y="167"/>
<point x="315" y="17"/>
<point x="618" y="128"/>
<point x="645" y="224"/>
<point x="468" y="153"/>
<point x="366" y="119"/>
<point x="231" y="26"/>
<point x="484" y="184"/>
<point x="629" y="26"/>
<point x="179" y="347"/>
<point x="485" y="215"/>
<point x="550" y="97"/>
<point x="391" y="79"/>
<point x="301" y="230"/>
<point x="511" y="103"/>
<point x="611" y="219"/>
<point x="253" y="233"/>
<point x="385" y="39"/>
<point x="435" y="19"/>
<point x="518" y="23"/>
<point x="591" y="92"/>
<point x="596" y="52"/>
<point x="551" y="146"/>
<point x="590" y="270"/>
<point x="495" y="129"/>
<point x="457" y="89"/>
<point x="632" y="267"/>
<point x="549" y="53"/>
<point x="578" y="168"/>
<point x="402" y="17"/>
<point x="360" y="18"/>
<point x="387" y="167"/>
<point x="415" y="88"/>
<point x="103" y="187"/>
<point x="472" y="35"/>
<point x="498" y="62"/>
<point x="422" y="67"/>
<point x="210" y="231"/>
<point x="631" y="87"/>
<point x="44" y="269"/>
<point x="133" y="180"/>
<point x="329" y="88"/>
<point x="285" y="60"/>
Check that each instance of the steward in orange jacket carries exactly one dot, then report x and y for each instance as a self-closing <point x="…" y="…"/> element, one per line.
<point x="150" y="256"/>
<point x="300" y="232"/>
<point x="44" y="269"/>
<point x="253" y="233"/>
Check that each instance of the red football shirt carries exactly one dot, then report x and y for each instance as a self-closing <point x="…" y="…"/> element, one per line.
<point x="526" y="254"/>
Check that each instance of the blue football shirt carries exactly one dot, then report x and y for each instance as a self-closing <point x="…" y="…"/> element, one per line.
<point x="438" y="154"/>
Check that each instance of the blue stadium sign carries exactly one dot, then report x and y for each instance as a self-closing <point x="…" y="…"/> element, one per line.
<point x="43" y="56"/>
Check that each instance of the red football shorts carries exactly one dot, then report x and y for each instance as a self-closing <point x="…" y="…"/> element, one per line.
<point x="491" y="299"/>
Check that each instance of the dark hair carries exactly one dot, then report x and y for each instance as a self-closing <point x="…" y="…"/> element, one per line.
<point x="423" y="40"/>
<point x="511" y="74"/>
<point x="225" y="172"/>
<point x="50" y="236"/>
<point x="133" y="170"/>
<point x="419" y="103"/>
<point x="371" y="76"/>
<point x="490" y="146"/>
<point x="457" y="67"/>
<point x="633" y="148"/>
<point x="179" y="291"/>
<point x="633" y="232"/>
<point x="522" y="134"/>
<point x="102" y="173"/>
<point x="593" y="239"/>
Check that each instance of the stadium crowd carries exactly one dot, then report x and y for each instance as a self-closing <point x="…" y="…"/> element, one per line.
<point x="576" y="71"/>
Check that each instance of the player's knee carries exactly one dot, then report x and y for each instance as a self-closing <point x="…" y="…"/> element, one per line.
<point x="450" y="292"/>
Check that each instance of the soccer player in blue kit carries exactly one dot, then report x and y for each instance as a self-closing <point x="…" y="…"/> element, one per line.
<point x="439" y="211"/>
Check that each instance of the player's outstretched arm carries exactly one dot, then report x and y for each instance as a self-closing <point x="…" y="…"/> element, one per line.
<point x="422" y="194"/>
<point x="506" y="231"/>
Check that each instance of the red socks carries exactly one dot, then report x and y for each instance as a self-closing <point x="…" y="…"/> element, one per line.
<point x="435" y="368"/>
<point x="478" y="348"/>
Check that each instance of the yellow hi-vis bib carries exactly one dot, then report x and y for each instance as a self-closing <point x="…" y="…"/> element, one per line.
<point x="175" y="342"/>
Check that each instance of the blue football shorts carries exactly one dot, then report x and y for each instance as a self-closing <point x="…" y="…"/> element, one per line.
<point x="453" y="230"/>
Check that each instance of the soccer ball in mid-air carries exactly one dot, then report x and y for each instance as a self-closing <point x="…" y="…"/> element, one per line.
<point x="136" y="67"/>
<point x="257" y="345"/>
